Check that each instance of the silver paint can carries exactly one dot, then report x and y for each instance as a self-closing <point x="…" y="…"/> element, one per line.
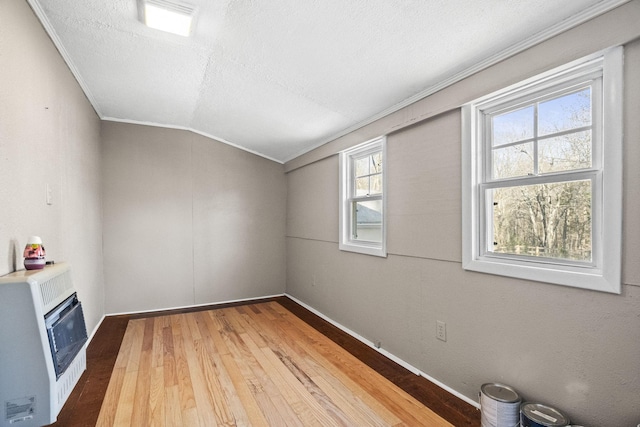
<point x="499" y="405"/>
<point x="539" y="415"/>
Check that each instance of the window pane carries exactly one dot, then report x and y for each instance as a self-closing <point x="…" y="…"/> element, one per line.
<point x="563" y="153"/>
<point x="565" y="112"/>
<point x="548" y="220"/>
<point x="376" y="184"/>
<point x="362" y="186"/>
<point x="368" y="221"/>
<point x="362" y="166"/>
<point x="512" y="161"/>
<point x="513" y="126"/>
<point x="376" y="162"/>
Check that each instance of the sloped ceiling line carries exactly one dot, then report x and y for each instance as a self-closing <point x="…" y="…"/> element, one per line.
<point x="35" y="6"/>
<point x="565" y="25"/>
<point x="309" y="107"/>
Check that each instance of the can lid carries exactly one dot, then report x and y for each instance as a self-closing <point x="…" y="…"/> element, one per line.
<point x="500" y="392"/>
<point x="544" y="415"/>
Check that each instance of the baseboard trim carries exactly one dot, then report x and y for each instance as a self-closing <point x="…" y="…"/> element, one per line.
<point x="385" y="353"/>
<point x="95" y="329"/>
<point x="197" y="307"/>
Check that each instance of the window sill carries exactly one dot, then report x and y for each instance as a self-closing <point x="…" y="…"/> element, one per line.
<point x="364" y="249"/>
<point x="573" y="276"/>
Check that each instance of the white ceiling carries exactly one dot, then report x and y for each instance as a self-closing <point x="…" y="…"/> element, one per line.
<point x="280" y="77"/>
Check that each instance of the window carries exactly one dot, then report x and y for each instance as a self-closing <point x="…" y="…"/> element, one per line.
<point x="362" y="198"/>
<point x="542" y="179"/>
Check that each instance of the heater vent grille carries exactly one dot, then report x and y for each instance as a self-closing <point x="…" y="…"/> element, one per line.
<point x="68" y="380"/>
<point x="39" y="335"/>
<point x="55" y="290"/>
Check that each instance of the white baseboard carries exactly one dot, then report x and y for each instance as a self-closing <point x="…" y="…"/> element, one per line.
<point x="355" y="335"/>
<point x="196" y="305"/>
<point x="95" y="329"/>
<point x="385" y="353"/>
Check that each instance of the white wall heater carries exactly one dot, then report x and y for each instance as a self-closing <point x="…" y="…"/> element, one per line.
<point x="43" y="339"/>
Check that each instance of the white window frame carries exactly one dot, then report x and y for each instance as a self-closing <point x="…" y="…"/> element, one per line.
<point x="604" y="272"/>
<point x="347" y="242"/>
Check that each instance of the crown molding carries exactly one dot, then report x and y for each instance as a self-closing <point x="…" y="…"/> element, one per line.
<point x="37" y="9"/>
<point x="565" y="25"/>
<point x="587" y="14"/>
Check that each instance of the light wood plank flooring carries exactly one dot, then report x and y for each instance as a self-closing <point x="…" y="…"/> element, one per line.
<point x="252" y="365"/>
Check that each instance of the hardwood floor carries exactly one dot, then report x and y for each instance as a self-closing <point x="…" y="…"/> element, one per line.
<point x="448" y="406"/>
<point x="244" y="367"/>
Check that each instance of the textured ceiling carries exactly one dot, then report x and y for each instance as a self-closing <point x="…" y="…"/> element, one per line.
<point x="279" y="77"/>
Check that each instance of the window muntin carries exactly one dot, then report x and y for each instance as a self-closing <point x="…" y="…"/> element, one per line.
<point x="367" y="174"/>
<point x="366" y="196"/>
<point x="542" y="180"/>
<point x="362" y="222"/>
<point x="550" y="134"/>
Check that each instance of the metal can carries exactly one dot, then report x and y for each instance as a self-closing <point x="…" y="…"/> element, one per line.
<point x="499" y="405"/>
<point x="539" y="415"/>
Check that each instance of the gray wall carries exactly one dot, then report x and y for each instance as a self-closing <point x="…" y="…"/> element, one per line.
<point x="575" y="349"/>
<point x="188" y="220"/>
<point x="49" y="133"/>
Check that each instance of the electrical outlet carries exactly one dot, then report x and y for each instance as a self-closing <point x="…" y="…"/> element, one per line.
<point x="441" y="330"/>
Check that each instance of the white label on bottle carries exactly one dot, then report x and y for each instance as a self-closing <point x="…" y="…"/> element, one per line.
<point x="545" y="416"/>
<point x="494" y="413"/>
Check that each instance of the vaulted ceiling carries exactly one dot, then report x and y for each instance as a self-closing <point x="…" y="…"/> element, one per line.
<point x="280" y="77"/>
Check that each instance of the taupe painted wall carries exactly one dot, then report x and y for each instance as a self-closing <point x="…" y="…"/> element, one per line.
<point x="188" y="220"/>
<point x="575" y="349"/>
<point x="49" y="133"/>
